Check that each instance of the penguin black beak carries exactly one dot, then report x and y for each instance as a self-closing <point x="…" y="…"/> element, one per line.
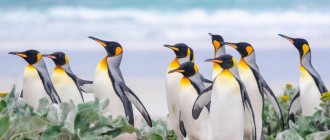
<point x="49" y="56"/>
<point x="101" y="42"/>
<point x="21" y="54"/>
<point x="213" y="60"/>
<point x="177" y="70"/>
<point x="171" y="47"/>
<point x="233" y="45"/>
<point x="287" y="38"/>
<point x="210" y="34"/>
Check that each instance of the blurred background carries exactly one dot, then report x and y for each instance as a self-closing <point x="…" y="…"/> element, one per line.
<point x="143" y="26"/>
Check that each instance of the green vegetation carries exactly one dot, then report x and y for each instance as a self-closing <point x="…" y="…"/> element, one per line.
<point x="86" y="121"/>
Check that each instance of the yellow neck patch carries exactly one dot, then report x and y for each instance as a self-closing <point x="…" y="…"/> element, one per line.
<point x="243" y="64"/>
<point x="305" y="48"/>
<point x="226" y="73"/>
<point x="59" y="70"/>
<point x="174" y="64"/>
<point x="103" y="65"/>
<point x="216" y="67"/>
<point x="185" y="81"/>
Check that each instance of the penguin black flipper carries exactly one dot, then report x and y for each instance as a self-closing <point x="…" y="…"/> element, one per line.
<point x="137" y="103"/>
<point x="76" y="80"/>
<point x="295" y="107"/>
<point x="181" y="125"/>
<point x="265" y="89"/>
<point x="126" y="103"/>
<point x="203" y="100"/>
<point x="21" y="94"/>
<point x="317" y="78"/>
<point x="248" y="106"/>
<point x="48" y="85"/>
<point x="204" y="80"/>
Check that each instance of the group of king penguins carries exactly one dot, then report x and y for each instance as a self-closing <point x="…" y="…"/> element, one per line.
<point x="230" y="106"/>
<point x="65" y="86"/>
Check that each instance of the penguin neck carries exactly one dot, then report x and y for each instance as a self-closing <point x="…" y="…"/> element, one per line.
<point x="220" y="51"/>
<point x="174" y="64"/>
<point x="66" y="67"/>
<point x="114" y="61"/>
<point x="196" y="82"/>
<point x="40" y="65"/>
<point x="305" y="60"/>
<point x="185" y="59"/>
<point x="248" y="61"/>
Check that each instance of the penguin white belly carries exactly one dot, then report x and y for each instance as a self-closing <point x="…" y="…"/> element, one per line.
<point x="65" y="86"/>
<point x="309" y="93"/>
<point x="196" y="129"/>
<point x="256" y="99"/>
<point x="33" y="88"/>
<point x="216" y="71"/>
<point x="226" y="121"/>
<point x="103" y="89"/>
<point x="172" y="97"/>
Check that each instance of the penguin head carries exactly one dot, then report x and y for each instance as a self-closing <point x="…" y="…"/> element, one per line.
<point x="187" y="69"/>
<point x="59" y="58"/>
<point x="244" y="49"/>
<point x="217" y="41"/>
<point x="30" y="56"/>
<point x="225" y="61"/>
<point x="181" y="50"/>
<point x="301" y="44"/>
<point x="113" y="48"/>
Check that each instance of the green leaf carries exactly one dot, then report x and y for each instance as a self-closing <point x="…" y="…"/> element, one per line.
<point x="3" y="105"/>
<point x="4" y="124"/>
<point x="43" y="107"/>
<point x="52" y="132"/>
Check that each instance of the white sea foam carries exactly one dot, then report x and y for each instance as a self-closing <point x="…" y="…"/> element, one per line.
<point x="67" y="28"/>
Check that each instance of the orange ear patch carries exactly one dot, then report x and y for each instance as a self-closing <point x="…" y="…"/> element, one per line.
<point x="39" y="56"/>
<point x="119" y="50"/>
<point x="249" y="49"/>
<point x="216" y="44"/>
<point x="196" y="68"/>
<point x="305" y="48"/>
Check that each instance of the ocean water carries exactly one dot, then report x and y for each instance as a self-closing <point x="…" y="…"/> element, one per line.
<point x="142" y="27"/>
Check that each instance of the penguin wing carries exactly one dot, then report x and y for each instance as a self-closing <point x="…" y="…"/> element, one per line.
<point x="76" y="80"/>
<point x="181" y="125"/>
<point x="48" y="85"/>
<point x="265" y="89"/>
<point x="295" y="107"/>
<point x="205" y="80"/>
<point x="248" y="107"/>
<point x="137" y="103"/>
<point x="203" y="100"/>
<point x="317" y="78"/>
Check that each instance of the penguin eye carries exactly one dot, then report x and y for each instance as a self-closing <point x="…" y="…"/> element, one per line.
<point x="249" y="50"/>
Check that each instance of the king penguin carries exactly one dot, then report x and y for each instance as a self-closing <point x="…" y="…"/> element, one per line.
<point x="37" y="83"/>
<point x="183" y="54"/>
<point x="109" y="83"/>
<point x="311" y="86"/>
<point x="229" y="100"/>
<point x="255" y="84"/>
<point x="190" y="87"/>
<point x="66" y="83"/>
<point x="219" y="49"/>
